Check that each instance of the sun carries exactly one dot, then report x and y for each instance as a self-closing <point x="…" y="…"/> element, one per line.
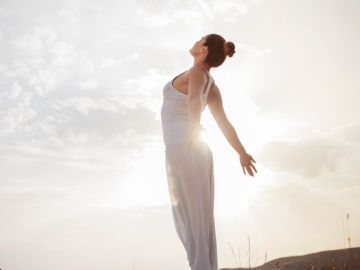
<point x="204" y="136"/>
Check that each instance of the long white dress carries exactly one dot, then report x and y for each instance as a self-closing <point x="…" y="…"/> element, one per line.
<point x="190" y="176"/>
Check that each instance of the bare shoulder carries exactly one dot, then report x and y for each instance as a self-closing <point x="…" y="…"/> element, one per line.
<point x="197" y="73"/>
<point x="196" y="81"/>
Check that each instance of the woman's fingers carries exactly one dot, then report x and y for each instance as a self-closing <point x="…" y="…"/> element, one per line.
<point x="249" y="171"/>
<point x="249" y="166"/>
<point x="252" y="166"/>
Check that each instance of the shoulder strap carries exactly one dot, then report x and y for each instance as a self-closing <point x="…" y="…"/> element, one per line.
<point x="208" y="82"/>
<point x="208" y="85"/>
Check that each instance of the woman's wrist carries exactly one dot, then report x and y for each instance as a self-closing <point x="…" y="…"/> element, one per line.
<point x="241" y="151"/>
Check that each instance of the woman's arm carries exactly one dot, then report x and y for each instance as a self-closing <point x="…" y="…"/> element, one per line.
<point x="217" y="110"/>
<point x="196" y="84"/>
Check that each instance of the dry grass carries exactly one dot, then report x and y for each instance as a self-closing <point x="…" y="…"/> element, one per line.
<point x="347" y="265"/>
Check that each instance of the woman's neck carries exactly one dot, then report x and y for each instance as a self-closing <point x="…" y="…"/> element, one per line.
<point x="204" y="65"/>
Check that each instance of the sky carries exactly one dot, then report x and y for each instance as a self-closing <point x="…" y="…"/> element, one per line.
<point x="82" y="164"/>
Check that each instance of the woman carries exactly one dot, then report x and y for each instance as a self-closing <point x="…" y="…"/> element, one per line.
<point x="189" y="160"/>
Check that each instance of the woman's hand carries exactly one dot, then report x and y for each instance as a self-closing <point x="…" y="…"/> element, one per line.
<point x="195" y="131"/>
<point x="246" y="162"/>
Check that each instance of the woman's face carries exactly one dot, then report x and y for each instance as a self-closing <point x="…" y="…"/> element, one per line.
<point x="198" y="47"/>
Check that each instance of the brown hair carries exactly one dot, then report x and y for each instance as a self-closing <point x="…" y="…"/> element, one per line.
<point x="218" y="49"/>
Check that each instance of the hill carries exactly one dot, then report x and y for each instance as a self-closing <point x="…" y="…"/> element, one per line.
<point x="341" y="259"/>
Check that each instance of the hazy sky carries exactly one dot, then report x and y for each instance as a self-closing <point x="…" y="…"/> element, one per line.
<point x="82" y="172"/>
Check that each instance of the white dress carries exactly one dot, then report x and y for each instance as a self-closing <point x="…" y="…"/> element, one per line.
<point x="190" y="177"/>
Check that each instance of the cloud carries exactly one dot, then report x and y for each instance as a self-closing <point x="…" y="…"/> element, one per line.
<point x="84" y="117"/>
<point x="4" y="11"/>
<point x="58" y="94"/>
<point x="230" y="10"/>
<point x="324" y="159"/>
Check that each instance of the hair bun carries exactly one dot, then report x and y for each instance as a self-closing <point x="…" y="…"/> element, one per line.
<point x="229" y="48"/>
